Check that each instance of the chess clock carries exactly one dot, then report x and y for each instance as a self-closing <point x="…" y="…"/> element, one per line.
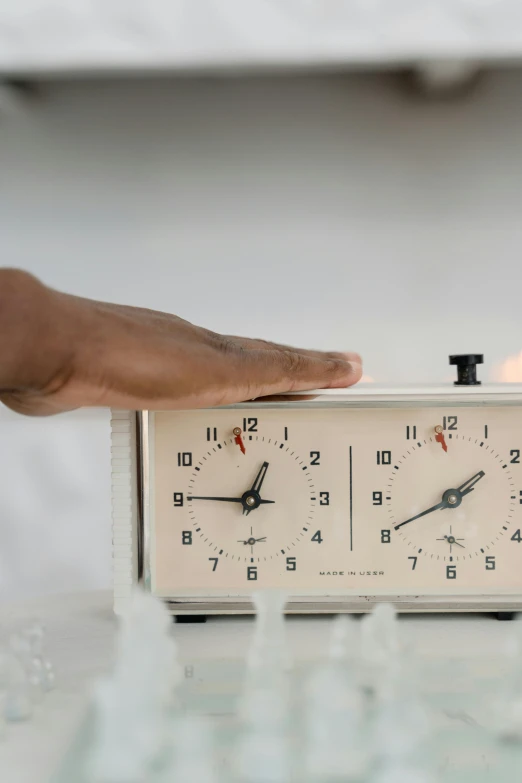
<point x="342" y="500"/>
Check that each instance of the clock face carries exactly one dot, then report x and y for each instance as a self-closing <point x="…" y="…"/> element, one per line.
<point x="336" y="501"/>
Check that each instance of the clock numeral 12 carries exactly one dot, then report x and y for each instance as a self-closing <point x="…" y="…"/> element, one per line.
<point x="449" y="423"/>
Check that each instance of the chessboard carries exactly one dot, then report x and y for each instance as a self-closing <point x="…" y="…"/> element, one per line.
<point x="370" y="710"/>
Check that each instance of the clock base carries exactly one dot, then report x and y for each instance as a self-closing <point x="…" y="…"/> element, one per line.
<point x="190" y="618"/>
<point x="505" y="615"/>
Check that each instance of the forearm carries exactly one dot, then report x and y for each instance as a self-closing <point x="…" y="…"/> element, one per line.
<point x="29" y="338"/>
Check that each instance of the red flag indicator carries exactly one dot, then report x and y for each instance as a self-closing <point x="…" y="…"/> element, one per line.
<point x="238" y="439"/>
<point x="439" y="437"/>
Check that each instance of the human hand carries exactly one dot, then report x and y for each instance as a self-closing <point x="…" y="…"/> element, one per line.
<point x="59" y="352"/>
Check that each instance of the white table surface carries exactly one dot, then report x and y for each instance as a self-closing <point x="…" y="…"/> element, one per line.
<point x="80" y="635"/>
<point x="114" y="35"/>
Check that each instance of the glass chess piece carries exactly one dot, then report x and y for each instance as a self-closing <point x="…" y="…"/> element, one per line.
<point x="380" y="645"/>
<point x="17" y="692"/>
<point x="263" y="756"/>
<point x="335" y="747"/>
<point x="266" y="685"/>
<point x="131" y="706"/>
<point x="506" y="721"/>
<point x="400" y="772"/>
<point x="401" y="725"/>
<point x="28" y="647"/>
<point x="194" y="756"/>
<point x="269" y="648"/>
<point x="262" y="753"/>
<point x="41" y="665"/>
<point x="345" y="639"/>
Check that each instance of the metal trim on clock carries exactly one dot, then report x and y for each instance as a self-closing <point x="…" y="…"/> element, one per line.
<point x="457" y="604"/>
<point x="389" y="397"/>
<point x="145" y="573"/>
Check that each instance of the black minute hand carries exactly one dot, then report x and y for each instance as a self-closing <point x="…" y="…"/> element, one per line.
<point x="452" y="498"/>
<point x="442" y="504"/>
<point x="225" y="500"/>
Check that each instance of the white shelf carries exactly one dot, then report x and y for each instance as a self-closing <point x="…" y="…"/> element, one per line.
<point x="76" y="36"/>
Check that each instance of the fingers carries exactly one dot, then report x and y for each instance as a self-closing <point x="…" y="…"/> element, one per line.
<point x="268" y="371"/>
<point x="163" y="377"/>
<point x="249" y="343"/>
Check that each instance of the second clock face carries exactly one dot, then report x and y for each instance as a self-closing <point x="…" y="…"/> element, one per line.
<point x="476" y="511"/>
<point x="318" y="501"/>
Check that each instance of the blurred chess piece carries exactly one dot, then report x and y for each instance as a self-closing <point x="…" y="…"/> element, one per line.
<point x="399" y="772"/>
<point x="380" y="645"/>
<point x="401" y="725"/>
<point x="15" y="689"/>
<point x="262" y="751"/>
<point x="131" y="706"/>
<point x="345" y="639"/>
<point x="380" y="637"/>
<point x="263" y="756"/>
<point x="334" y="746"/>
<point x="507" y="709"/>
<point x="401" y="721"/>
<point x="194" y="759"/>
<point x="268" y="661"/>
<point x="269" y="647"/>
<point x="29" y="647"/>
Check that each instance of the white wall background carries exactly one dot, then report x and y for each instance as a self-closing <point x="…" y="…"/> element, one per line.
<point x="331" y="212"/>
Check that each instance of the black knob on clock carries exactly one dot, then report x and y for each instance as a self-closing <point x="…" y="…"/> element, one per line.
<point x="467" y="368"/>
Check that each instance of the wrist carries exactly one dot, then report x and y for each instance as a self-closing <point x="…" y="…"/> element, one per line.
<point x="29" y="338"/>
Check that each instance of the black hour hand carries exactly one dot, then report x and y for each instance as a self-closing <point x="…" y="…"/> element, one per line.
<point x="256" y="486"/>
<point x="258" y="483"/>
<point x="469" y="485"/>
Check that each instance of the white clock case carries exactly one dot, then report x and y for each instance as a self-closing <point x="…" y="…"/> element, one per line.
<point x="130" y="488"/>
